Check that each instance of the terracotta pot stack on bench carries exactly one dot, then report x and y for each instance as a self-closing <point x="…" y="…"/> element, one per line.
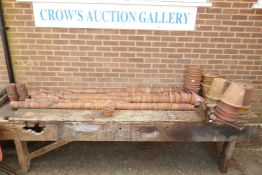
<point x="12" y="92"/>
<point x="236" y="96"/>
<point x="228" y="101"/>
<point x="166" y="98"/>
<point x="193" y="79"/>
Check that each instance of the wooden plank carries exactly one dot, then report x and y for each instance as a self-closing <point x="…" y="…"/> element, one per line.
<point x="47" y="149"/>
<point x="157" y="131"/>
<point x="22" y="154"/>
<point x="96" y="116"/>
<point x="227" y="153"/>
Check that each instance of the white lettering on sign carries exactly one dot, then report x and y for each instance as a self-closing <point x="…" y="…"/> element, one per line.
<point x="114" y="16"/>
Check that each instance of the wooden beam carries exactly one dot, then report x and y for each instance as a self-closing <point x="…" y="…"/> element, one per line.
<point x="47" y="149"/>
<point x="227" y="153"/>
<point x="22" y="153"/>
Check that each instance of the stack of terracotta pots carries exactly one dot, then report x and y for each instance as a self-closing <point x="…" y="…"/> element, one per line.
<point x="22" y="91"/>
<point x="193" y="79"/>
<point x="168" y="98"/>
<point x="207" y="79"/>
<point x="12" y="92"/>
<point x="232" y="101"/>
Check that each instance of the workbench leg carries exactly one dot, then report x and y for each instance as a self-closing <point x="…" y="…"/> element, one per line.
<point x="22" y="153"/>
<point x="227" y="153"/>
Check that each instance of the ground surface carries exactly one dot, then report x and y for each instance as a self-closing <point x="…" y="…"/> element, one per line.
<point x="123" y="158"/>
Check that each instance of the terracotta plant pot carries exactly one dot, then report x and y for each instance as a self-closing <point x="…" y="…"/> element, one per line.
<point x="12" y="92"/>
<point x="108" y="111"/>
<point x="234" y="95"/>
<point x="217" y="88"/>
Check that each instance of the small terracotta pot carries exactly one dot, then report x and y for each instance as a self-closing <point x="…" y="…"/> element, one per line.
<point x="217" y="88"/>
<point x="108" y="112"/>
<point x="234" y="95"/>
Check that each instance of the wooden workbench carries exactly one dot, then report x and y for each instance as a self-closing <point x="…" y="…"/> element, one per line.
<point x="65" y="126"/>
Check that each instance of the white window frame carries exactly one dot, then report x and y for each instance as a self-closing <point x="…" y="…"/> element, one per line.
<point x="192" y="3"/>
<point x="258" y="5"/>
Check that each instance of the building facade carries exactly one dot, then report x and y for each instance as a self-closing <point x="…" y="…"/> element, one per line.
<point x="227" y="39"/>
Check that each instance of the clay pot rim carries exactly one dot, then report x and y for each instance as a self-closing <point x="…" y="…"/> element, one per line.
<point x="193" y="73"/>
<point x="210" y="75"/>
<point x="194" y="79"/>
<point x="193" y="68"/>
<point x="193" y="83"/>
<point x="246" y="107"/>
<point x="223" y="103"/>
<point x="228" y="103"/>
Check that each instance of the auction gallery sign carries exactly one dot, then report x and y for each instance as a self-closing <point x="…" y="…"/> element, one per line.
<point x="114" y="16"/>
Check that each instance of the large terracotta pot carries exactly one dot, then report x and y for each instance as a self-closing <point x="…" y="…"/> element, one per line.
<point x="234" y="95"/>
<point x="217" y="88"/>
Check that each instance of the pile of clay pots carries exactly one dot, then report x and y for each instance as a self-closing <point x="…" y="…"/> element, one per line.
<point x="230" y="99"/>
<point x="193" y="79"/>
<point x="17" y="92"/>
<point x="107" y="100"/>
<point x="12" y="92"/>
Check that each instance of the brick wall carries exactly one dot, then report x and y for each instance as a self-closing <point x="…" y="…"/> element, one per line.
<point x="227" y="39"/>
<point x="3" y="72"/>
